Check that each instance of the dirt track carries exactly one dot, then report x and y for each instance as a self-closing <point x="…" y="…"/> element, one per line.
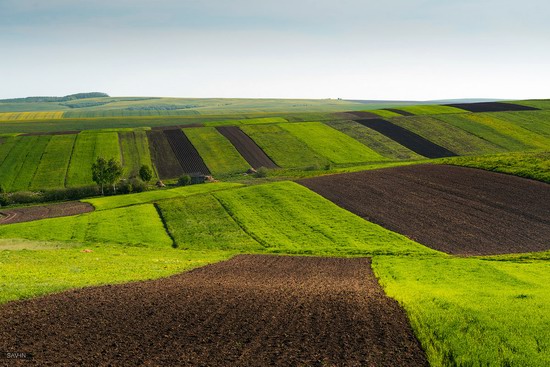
<point x="249" y="311"/>
<point x="18" y="215"/>
<point x="247" y="147"/>
<point x="453" y="209"/>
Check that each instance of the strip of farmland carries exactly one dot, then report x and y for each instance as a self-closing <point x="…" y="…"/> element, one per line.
<point x="135" y="151"/>
<point x="185" y="152"/>
<point x="248" y="149"/>
<point x="491" y="107"/>
<point x="401" y="112"/>
<point x="407" y="138"/>
<point x="165" y="162"/>
<point x="19" y="215"/>
<point x="249" y="311"/>
<point x="453" y="209"/>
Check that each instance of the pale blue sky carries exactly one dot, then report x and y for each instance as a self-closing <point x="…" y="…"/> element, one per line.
<point x="392" y="49"/>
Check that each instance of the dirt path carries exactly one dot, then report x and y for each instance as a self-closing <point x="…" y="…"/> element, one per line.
<point x="18" y="215"/>
<point x="457" y="210"/>
<point x="249" y="311"/>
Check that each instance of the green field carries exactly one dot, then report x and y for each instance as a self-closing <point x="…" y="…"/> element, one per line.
<point x="332" y="144"/>
<point x="431" y="110"/>
<point x="533" y="165"/>
<point x="283" y="148"/>
<point x="456" y="140"/>
<point x="111" y="202"/>
<point x="374" y="140"/>
<point x="135" y="151"/>
<point x="472" y="312"/>
<point x="218" y="153"/>
<point x="52" y="170"/>
<point x="30" y="163"/>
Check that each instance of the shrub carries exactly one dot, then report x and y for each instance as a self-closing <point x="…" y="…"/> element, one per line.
<point x="145" y="173"/>
<point x="184" y="180"/>
<point x="262" y="172"/>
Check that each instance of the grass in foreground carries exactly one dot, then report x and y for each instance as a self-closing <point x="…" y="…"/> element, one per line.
<point x="533" y="165"/>
<point x="111" y="202"/>
<point x="473" y="312"/>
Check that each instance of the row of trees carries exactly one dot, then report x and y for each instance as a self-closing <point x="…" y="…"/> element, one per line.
<point x="108" y="172"/>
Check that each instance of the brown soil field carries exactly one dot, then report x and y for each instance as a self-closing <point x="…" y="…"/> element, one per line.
<point x="407" y="138"/>
<point x="491" y="107"/>
<point x="401" y="112"/>
<point x="463" y="211"/>
<point x="18" y="215"/>
<point x="253" y="310"/>
<point x="163" y="156"/>
<point x="189" y="158"/>
<point x="249" y="150"/>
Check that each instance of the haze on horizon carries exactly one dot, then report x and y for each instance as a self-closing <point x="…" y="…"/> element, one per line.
<point x="352" y="49"/>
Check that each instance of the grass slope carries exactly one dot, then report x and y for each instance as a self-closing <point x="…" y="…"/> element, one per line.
<point x="285" y="217"/>
<point x="447" y="136"/>
<point x="332" y="144"/>
<point x="471" y="312"/>
<point x="53" y="167"/>
<point x="30" y="163"/>
<point x="374" y="140"/>
<point x="135" y="151"/>
<point x="22" y="155"/>
<point x="533" y="165"/>
<point x="141" y="227"/>
<point x="118" y="201"/>
<point x="218" y="153"/>
<point x="283" y="148"/>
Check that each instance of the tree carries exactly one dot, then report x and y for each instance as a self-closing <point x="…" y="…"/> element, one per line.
<point x="114" y="170"/>
<point x="145" y="173"/>
<point x="100" y="173"/>
<point x="184" y="180"/>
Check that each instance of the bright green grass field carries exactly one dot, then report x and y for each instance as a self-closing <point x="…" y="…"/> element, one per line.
<point x="218" y="153"/>
<point x="111" y="202"/>
<point x="471" y="312"/>
<point x="283" y="148"/>
<point x="384" y="113"/>
<point x="543" y="104"/>
<point x="537" y="122"/>
<point x="285" y="217"/>
<point x="53" y="166"/>
<point x="88" y="147"/>
<point x="332" y="144"/>
<point x="30" y="162"/>
<point x="137" y="225"/>
<point x="533" y="165"/>
<point x="135" y="151"/>
<point x="431" y="110"/>
<point x="26" y="274"/>
<point x="447" y="136"/>
<point x="374" y="140"/>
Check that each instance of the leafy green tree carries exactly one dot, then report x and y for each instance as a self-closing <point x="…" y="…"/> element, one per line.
<point x="114" y="172"/>
<point x="184" y="180"/>
<point x="145" y="173"/>
<point x="100" y="173"/>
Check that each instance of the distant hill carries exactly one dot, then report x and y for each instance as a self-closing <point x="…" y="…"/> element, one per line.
<point x="70" y="97"/>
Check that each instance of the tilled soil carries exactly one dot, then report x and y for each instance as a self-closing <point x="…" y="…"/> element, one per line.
<point x="491" y="107"/>
<point x="407" y="138"/>
<point x="457" y="210"/>
<point x="186" y="153"/>
<point x="247" y="147"/>
<point x="18" y="215"/>
<point x="250" y="311"/>
<point x="163" y="156"/>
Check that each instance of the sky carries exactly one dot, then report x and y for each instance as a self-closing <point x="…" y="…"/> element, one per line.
<point x="351" y="49"/>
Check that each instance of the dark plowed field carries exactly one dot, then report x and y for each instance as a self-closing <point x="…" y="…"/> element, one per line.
<point x="250" y="151"/>
<point x="407" y="138"/>
<point x="163" y="156"/>
<point x="185" y="152"/>
<point x="249" y="311"/>
<point x="453" y="209"/>
<point x="491" y="107"/>
<point x="31" y="213"/>
<point x="401" y="112"/>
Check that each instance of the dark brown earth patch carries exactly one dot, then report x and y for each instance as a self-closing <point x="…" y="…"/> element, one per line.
<point x="163" y="156"/>
<point x="186" y="153"/>
<point x="491" y="107"/>
<point x="250" y="311"/>
<point x="457" y="210"/>
<point x="18" y="215"/>
<point x="407" y="138"/>
<point x="248" y="149"/>
<point x="401" y="112"/>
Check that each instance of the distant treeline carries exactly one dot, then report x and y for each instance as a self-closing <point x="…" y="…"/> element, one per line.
<point x="70" y="97"/>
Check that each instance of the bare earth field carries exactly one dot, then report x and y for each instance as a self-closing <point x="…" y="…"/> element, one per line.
<point x="457" y="210"/>
<point x="18" y="215"/>
<point x="250" y="311"/>
<point x="250" y="151"/>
